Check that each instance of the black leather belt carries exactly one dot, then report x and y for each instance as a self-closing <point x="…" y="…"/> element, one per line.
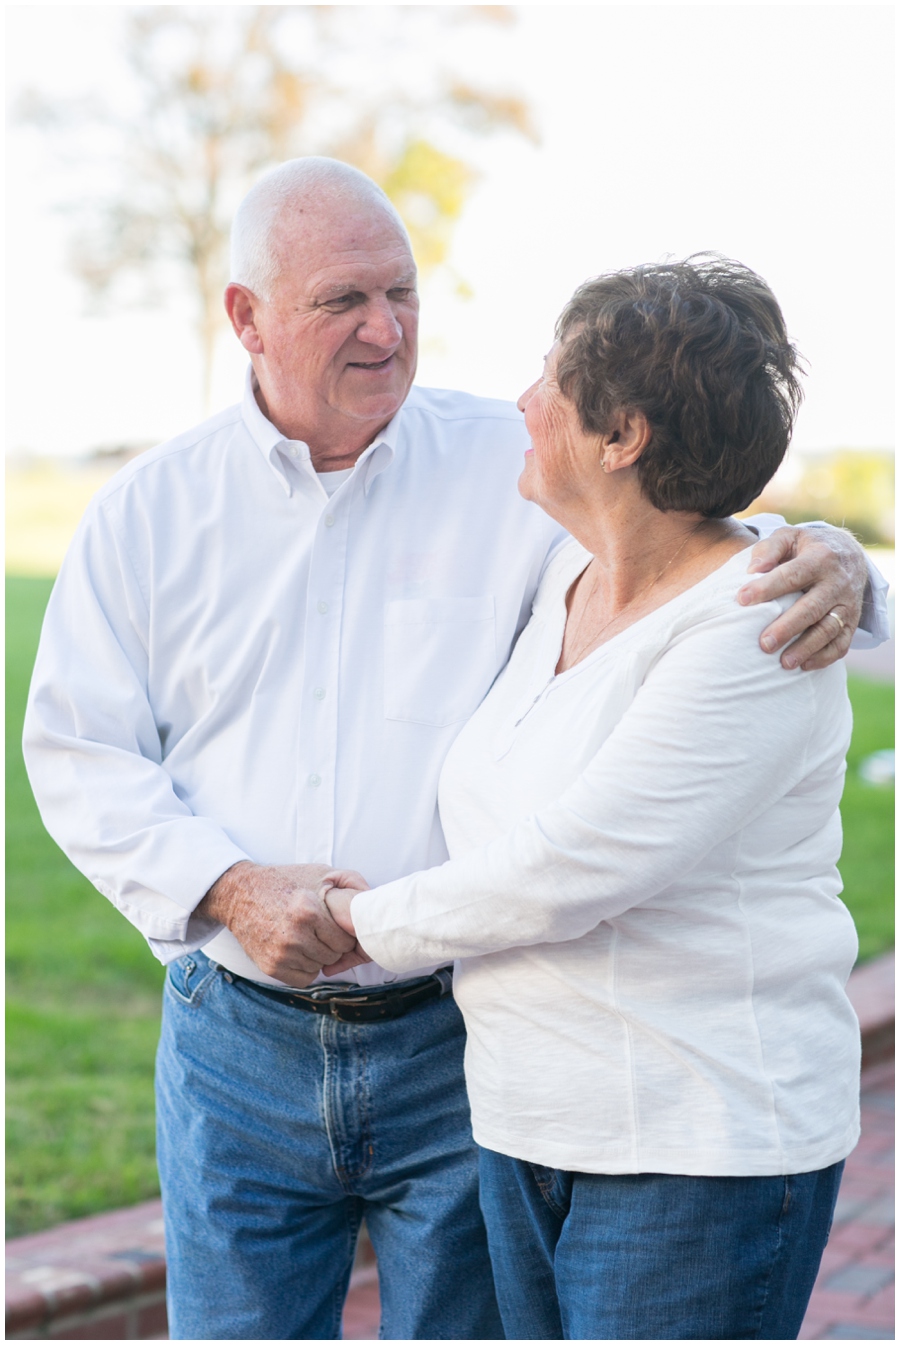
<point x="360" y="1005"/>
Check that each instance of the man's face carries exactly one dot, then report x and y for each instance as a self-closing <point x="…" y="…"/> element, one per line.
<point x="339" y="332"/>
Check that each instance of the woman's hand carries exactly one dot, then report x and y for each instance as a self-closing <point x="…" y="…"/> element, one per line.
<point x="338" y="889"/>
<point x="829" y="566"/>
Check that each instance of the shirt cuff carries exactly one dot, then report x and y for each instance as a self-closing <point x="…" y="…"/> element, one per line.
<point x="165" y="914"/>
<point x="875" y="622"/>
<point x="198" y="933"/>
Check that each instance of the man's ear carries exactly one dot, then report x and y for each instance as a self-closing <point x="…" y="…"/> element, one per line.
<point x="241" y="305"/>
<point x="626" y="440"/>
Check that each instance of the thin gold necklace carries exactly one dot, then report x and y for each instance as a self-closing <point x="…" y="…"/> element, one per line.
<point x="589" y="644"/>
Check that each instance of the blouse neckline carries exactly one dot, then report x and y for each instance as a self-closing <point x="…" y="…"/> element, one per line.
<point x="557" y="627"/>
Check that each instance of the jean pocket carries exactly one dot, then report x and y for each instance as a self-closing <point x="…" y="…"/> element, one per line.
<point x="440" y="657"/>
<point x="555" y="1185"/>
<point x="188" y="980"/>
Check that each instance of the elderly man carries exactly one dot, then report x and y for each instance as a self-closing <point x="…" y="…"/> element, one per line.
<point x="262" y="643"/>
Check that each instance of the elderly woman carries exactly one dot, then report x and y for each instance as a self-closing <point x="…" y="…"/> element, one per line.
<point x="643" y="826"/>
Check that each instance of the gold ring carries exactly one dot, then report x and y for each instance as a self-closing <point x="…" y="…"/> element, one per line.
<point x="841" y="623"/>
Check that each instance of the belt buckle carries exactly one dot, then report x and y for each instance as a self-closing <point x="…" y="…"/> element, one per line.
<point x="337" y="1003"/>
<point x="323" y="994"/>
<point x="347" y="1005"/>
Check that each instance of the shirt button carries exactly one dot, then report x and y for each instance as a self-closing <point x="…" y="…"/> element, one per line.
<point x="315" y="780"/>
<point x="329" y="520"/>
<point x="322" y="607"/>
<point x="319" y="693"/>
<point x="295" y="452"/>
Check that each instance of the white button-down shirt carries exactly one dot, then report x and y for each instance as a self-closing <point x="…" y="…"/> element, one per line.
<point x="235" y="665"/>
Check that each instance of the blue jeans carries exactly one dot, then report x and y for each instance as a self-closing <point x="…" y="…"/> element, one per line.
<point x="646" y="1256"/>
<point x="278" y="1131"/>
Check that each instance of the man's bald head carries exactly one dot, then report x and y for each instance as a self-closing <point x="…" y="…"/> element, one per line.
<point x="273" y="212"/>
<point x="324" y="301"/>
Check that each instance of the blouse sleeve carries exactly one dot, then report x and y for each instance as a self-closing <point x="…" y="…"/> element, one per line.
<point x="717" y="733"/>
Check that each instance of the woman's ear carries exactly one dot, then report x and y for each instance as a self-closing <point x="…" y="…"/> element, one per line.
<point x="624" y="441"/>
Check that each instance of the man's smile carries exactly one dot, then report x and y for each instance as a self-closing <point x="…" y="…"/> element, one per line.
<point x="379" y="364"/>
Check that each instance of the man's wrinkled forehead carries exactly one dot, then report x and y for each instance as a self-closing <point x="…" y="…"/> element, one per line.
<point x="314" y="236"/>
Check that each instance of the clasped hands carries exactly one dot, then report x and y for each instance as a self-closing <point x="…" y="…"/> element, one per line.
<point x="293" y="920"/>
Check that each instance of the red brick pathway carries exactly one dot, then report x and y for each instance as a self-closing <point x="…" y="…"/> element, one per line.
<point x="362" y="1311"/>
<point x="854" y="1294"/>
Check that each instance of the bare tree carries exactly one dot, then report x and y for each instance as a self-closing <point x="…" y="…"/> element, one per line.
<point x="221" y="93"/>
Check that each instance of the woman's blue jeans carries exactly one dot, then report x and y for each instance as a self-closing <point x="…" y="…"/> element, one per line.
<point x="647" y="1256"/>
<point x="279" y="1131"/>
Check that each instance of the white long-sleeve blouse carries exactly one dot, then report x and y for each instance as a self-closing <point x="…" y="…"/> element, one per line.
<point x="643" y="898"/>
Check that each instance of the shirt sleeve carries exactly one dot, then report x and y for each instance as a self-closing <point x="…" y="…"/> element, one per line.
<point x="874" y="622"/>
<point x="715" y="735"/>
<point x="94" y="755"/>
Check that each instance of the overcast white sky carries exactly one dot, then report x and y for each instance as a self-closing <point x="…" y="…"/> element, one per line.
<point x="764" y="132"/>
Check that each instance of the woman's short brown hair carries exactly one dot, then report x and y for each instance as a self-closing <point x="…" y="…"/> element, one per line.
<point x="700" y="347"/>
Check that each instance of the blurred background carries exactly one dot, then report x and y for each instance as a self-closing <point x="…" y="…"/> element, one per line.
<point x="527" y="148"/>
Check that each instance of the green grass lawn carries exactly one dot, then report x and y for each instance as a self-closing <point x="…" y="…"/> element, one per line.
<point x="83" y="989"/>
<point x="82" y="1003"/>
<point x="867" y="862"/>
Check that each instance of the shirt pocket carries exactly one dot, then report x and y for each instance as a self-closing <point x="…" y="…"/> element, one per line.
<point x="440" y="657"/>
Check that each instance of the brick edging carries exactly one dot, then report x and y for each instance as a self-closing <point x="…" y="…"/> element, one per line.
<point x="86" y="1270"/>
<point x="871" y="992"/>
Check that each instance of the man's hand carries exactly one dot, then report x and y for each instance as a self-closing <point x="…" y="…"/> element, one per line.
<point x="829" y="566"/>
<point x="278" y="915"/>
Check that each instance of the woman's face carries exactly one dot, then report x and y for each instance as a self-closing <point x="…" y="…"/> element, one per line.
<point x="563" y="462"/>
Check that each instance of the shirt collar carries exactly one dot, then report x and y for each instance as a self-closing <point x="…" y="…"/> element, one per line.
<point x="272" y="444"/>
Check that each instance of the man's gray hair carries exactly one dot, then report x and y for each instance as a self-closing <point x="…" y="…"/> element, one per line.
<point x="254" y="256"/>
